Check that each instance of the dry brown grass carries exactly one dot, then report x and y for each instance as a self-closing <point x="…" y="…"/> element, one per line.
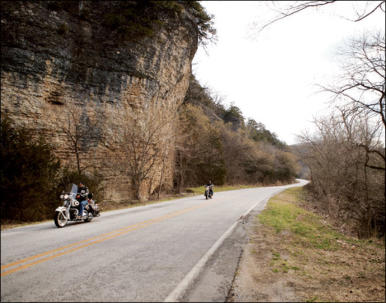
<point x="284" y="261"/>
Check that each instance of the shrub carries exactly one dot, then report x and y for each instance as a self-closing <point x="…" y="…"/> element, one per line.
<point x="31" y="178"/>
<point x="28" y="174"/>
<point x="62" y="29"/>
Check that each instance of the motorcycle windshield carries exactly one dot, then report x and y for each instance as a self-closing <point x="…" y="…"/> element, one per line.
<point x="74" y="190"/>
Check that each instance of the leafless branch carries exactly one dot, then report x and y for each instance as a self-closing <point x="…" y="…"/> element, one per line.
<point x="296" y="8"/>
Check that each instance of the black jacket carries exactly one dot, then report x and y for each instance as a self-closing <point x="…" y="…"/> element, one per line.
<point x="83" y="192"/>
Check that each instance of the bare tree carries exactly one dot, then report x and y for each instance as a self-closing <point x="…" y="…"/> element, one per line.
<point x="362" y="84"/>
<point x="363" y="81"/>
<point x="342" y="172"/>
<point x="83" y="130"/>
<point x="369" y="137"/>
<point x="164" y="156"/>
<point x="360" y="90"/>
<point x="140" y="150"/>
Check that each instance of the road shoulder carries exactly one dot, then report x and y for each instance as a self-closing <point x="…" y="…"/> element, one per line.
<point x="294" y="255"/>
<point x="215" y="281"/>
<point x="254" y="281"/>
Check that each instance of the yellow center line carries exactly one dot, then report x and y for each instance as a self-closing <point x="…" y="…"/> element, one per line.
<point x="76" y="243"/>
<point x="63" y="247"/>
<point x="100" y="238"/>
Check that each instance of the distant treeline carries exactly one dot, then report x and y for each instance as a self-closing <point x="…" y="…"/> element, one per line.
<point x="219" y="143"/>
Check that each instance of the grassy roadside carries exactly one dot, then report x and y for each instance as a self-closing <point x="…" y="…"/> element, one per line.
<point x="311" y="261"/>
<point x="109" y="206"/>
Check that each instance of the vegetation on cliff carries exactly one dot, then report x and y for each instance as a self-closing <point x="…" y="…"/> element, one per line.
<point x="135" y="19"/>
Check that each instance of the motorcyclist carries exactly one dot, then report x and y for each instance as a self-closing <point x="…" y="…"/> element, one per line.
<point x="82" y="198"/>
<point x="210" y="185"/>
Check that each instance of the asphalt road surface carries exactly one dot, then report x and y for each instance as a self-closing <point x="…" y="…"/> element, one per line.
<point x="148" y="253"/>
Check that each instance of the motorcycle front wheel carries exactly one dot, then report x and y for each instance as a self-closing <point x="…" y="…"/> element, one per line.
<point x="60" y="219"/>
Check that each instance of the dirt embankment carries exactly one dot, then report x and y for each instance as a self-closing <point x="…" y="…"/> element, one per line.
<point x="294" y="255"/>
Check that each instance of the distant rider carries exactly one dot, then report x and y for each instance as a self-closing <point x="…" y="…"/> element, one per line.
<point x="210" y="184"/>
<point x="82" y="198"/>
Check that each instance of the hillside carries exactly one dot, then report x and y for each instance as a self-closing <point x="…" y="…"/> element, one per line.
<point x="103" y="93"/>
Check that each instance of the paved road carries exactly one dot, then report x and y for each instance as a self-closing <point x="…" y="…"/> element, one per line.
<point x="137" y="254"/>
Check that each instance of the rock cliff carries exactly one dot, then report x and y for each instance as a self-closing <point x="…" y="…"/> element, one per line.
<point x="82" y="56"/>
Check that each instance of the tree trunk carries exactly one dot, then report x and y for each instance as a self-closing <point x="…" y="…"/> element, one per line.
<point x="136" y="185"/>
<point x="161" y="178"/>
<point x="77" y="158"/>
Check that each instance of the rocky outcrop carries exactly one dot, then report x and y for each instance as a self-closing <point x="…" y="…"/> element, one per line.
<point x="57" y="57"/>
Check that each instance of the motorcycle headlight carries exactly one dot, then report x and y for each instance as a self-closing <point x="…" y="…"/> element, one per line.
<point x="61" y="196"/>
<point x="66" y="196"/>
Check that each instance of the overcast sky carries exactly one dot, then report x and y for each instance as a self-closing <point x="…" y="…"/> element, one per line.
<point x="271" y="76"/>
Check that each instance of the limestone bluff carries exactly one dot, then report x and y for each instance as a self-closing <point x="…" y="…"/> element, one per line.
<point x="83" y="54"/>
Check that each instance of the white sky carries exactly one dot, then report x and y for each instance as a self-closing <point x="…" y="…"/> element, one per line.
<point x="272" y="76"/>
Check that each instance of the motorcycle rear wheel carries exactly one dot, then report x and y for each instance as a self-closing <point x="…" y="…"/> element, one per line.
<point x="89" y="217"/>
<point x="60" y="219"/>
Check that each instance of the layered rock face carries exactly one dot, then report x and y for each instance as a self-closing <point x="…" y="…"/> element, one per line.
<point x="59" y="60"/>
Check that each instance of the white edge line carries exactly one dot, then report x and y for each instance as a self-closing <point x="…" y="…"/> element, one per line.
<point x="181" y="288"/>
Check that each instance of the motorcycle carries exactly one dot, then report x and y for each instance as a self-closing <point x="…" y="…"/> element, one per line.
<point x="71" y="207"/>
<point x="208" y="192"/>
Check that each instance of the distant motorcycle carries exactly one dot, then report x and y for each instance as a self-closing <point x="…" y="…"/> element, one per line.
<point x="208" y="192"/>
<point x="71" y="207"/>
